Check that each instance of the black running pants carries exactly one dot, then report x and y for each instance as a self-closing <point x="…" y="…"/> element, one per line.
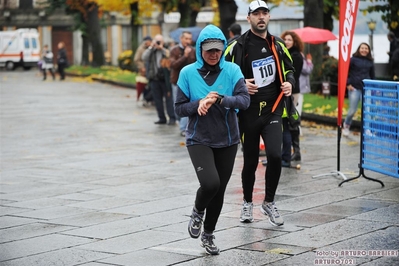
<point x="213" y="167"/>
<point x="252" y="126"/>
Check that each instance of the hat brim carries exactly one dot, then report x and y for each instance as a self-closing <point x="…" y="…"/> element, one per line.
<point x="213" y="45"/>
<point x="251" y="11"/>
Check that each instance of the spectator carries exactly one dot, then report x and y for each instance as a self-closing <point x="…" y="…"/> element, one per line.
<point x="294" y="45"/>
<point x="234" y="32"/>
<point x="209" y="91"/>
<point x="361" y="67"/>
<point x="47" y="62"/>
<point x="181" y="55"/>
<point x="158" y="76"/>
<point x="141" y="80"/>
<point x="62" y="60"/>
<point x="304" y="80"/>
<point x="395" y="65"/>
<point x="393" y="45"/>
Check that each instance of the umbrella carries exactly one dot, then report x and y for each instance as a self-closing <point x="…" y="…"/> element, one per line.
<point x="175" y="34"/>
<point x="314" y="35"/>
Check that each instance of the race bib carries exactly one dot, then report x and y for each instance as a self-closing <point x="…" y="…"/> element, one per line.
<point x="264" y="71"/>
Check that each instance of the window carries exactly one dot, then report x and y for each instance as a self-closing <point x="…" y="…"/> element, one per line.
<point x="9" y="44"/>
<point x="34" y="43"/>
<point x="26" y="43"/>
<point x="126" y="38"/>
<point x="104" y="39"/>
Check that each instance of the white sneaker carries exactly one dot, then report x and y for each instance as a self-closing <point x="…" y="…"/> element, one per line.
<point x="345" y="131"/>
<point x="270" y="209"/>
<point x="247" y="212"/>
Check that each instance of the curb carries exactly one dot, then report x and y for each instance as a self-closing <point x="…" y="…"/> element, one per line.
<point x="325" y="120"/>
<point x="328" y="120"/>
<point x="126" y="85"/>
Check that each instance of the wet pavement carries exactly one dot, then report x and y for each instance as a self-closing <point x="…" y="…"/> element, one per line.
<point x="88" y="179"/>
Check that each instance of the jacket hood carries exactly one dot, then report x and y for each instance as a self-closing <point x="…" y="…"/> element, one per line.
<point x="209" y="32"/>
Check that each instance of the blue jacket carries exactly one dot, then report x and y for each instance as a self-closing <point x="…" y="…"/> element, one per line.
<point x="360" y="68"/>
<point x="219" y="127"/>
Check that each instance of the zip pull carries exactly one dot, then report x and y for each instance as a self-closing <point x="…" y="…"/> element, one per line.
<point x="261" y="106"/>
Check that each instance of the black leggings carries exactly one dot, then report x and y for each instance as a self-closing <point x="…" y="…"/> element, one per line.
<point x="213" y="167"/>
<point x="252" y="126"/>
<point x="45" y="72"/>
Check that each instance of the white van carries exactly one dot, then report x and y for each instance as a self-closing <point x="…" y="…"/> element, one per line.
<point x="19" y="48"/>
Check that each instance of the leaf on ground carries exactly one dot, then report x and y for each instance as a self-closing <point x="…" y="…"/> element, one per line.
<point x="278" y="251"/>
<point x="352" y="143"/>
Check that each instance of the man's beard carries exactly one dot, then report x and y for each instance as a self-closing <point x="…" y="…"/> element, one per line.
<point x="258" y="30"/>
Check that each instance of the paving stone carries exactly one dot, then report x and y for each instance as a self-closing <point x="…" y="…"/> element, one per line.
<point x="343" y="210"/>
<point x="81" y="196"/>
<point x="310" y="201"/>
<point x="7" y="221"/>
<point x="236" y="257"/>
<point x="133" y="241"/>
<point x="328" y="234"/>
<point x="41" y="203"/>
<point x="12" y="210"/>
<point x="366" y="204"/>
<point x="307" y="219"/>
<point x="384" y="261"/>
<point x="390" y="195"/>
<point x="97" y="264"/>
<point x="307" y="258"/>
<point x="276" y="248"/>
<point x="224" y="239"/>
<point x="387" y="215"/>
<point x="52" y="212"/>
<point x="303" y="187"/>
<point x="36" y="245"/>
<point x="47" y="191"/>
<point x="115" y="228"/>
<point x="31" y="230"/>
<point x="104" y="203"/>
<point x="89" y="218"/>
<point x="155" y="206"/>
<point x="358" y="247"/>
<point x="65" y="257"/>
<point x="148" y="258"/>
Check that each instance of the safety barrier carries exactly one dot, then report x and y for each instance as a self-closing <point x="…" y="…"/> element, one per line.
<point x="380" y="134"/>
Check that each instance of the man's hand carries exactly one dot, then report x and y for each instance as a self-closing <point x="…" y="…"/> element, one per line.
<point x="187" y="51"/>
<point x="252" y="88"/>
<point x="286" y="87"/>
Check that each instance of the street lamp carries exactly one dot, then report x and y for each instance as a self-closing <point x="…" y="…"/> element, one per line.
<point x="372" y="23"/>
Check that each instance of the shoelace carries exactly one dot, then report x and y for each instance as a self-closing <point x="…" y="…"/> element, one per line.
<point x="209" y="239"/>
<point x="246" y="210"/>
<point x="275" y="211"/>
<point x="197" y="220"/>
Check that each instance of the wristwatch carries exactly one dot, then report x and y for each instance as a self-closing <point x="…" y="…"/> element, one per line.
<point x="219" y="99"/>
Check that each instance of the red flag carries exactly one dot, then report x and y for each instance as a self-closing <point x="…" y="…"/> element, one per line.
<point x="347" y="20"/>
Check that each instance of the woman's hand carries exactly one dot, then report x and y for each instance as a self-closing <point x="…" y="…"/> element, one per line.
<point x="350" y="87"/>
<point x="206" y="103"/>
